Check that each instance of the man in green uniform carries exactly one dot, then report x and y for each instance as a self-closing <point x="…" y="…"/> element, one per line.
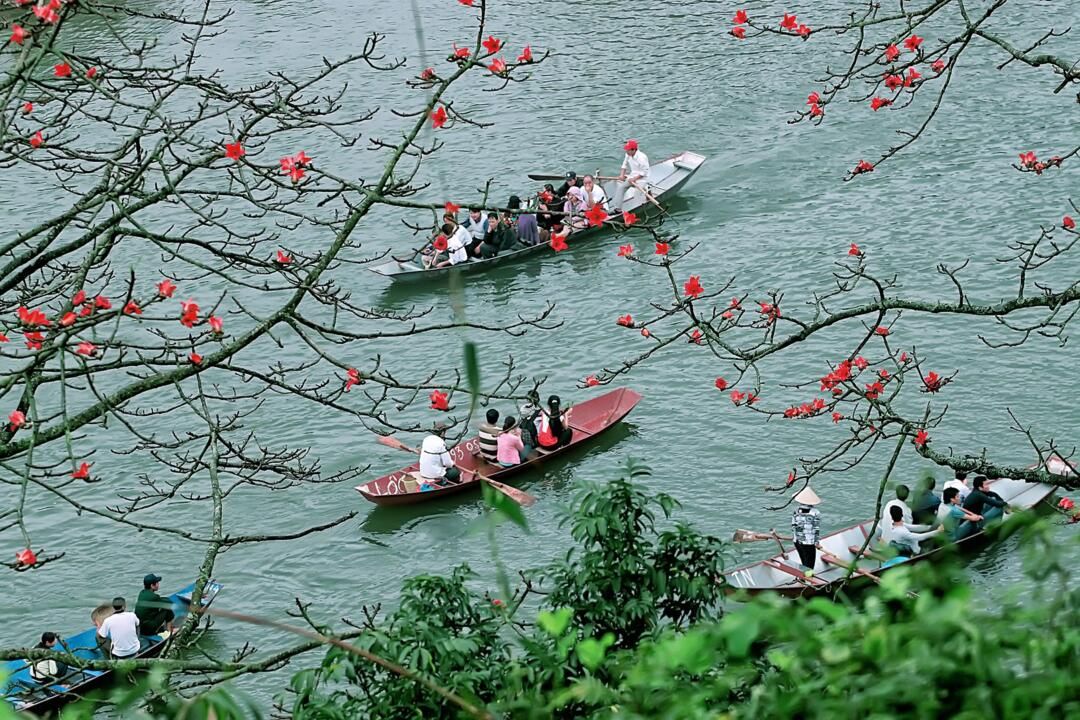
<point x="154" y="612"/>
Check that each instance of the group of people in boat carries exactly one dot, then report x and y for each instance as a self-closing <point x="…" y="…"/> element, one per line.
<point x="503" y="442"/>
<point x="553" y="215"/>
<point x="120" y="632"/>
<point x="904" y="529"/>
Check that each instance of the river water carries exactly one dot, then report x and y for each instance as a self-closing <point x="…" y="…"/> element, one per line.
<point x="768" y="208"/>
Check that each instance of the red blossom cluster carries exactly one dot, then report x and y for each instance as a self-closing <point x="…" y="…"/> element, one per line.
<point x="1069" y="509"/>
<point x="353" y="378"/>
<point x="808" y="409"/>
<point x="439" y="400"/>
<point x="295" y="165"/>
<point x="1030" y="163"/>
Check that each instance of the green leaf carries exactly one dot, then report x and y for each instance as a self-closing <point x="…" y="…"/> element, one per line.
<point x="591" y="651"/>
<point x="740" y="630"/>
<point x="555" y="623"/>
<point x="827" y="608"/>
<point x="504" y="505"/>
<point x="472" y="374"/>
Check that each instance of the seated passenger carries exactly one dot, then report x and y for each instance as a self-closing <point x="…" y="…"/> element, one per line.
<point x="548" y="202"/>
<point x="594" y="194"/>
<point x="958" y="522"/>
<point x="574" y="208"/>
<point x="559" y="231"/>
<point x="925" y="504"/>
<point x="529" y="419"/>
<point x="436" y="465"/>
<point x="571" y="182"/>
<point x="553" y="431"/>
<point x="476" y="224"/>
<point x="47" y="671"/>
<point x="960" y="483"/>
<point x="982" y="501"/>
<point x="901" y="538"/>
<point x="489" y="436"/>
<point x="154" y="612"/>
<point x="507" y="233"/>
<point x="122" y="630"/>
<point x="457" y="240"/>
<point x="528" y="231"/>
<point x="512" y="451"/>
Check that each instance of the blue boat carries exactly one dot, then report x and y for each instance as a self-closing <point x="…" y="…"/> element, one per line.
<point x="22" y="693"/>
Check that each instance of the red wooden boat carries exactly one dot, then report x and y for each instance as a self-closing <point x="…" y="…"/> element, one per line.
<point x="588" y="420"/>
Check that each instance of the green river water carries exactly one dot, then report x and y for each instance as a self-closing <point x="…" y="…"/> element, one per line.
<point x="768" y="208"/>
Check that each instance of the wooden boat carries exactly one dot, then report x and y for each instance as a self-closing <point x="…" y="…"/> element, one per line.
<point x="20" y="692"/>
<point x="665" y="178"/>
<point x="588" y="420"/>
<point x="782" y="573"/>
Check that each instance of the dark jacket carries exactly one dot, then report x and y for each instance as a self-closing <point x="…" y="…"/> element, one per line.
<point x="977" y="499"/>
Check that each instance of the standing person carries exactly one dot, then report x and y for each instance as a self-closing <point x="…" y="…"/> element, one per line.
<point x="435" y="461"/>
<point x="47" y="671"/>
<point x="154" y="612"/>
<point x="985" y="502"/>
<point x="512" y="451"/>
<point x="634" y="172"/>
<point x="554" y="431"/>
<point x="488" y="436"/>
<point x="594" y="194"/>
<point x="806" y="528"/>
<point x="122" y="630"/>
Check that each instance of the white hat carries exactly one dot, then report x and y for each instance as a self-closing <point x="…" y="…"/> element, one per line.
<point x="806" y="496"/>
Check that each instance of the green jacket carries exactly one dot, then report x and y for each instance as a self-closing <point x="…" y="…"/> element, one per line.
<point x="151" y="606"/>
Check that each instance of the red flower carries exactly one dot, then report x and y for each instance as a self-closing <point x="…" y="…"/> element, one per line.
<point x="739" y="32"/>
<point x="804" y="30"/>
<point x="439" y="400"/>
<point x="727" y="315"/>
<point x="1028" y="159"/>
<point x="132" y="308"/>
<point x="78" y="298"/>
<point x="1066" y="503"/>
<point x="874" y="389"/>
<point x="938" y="65"/>
<point x="526" y="55"/>
<point x="625" y="321"/>
<point x="283" y="258"/>
<point x="492" y="44"/>
<point x="816" y="111"/>
<point x="882" y="330"/>
<point x="28" y="107"/>
<point x="662" y="248"/>
<point x="591" y="381"/>
<point x="46" y="13"/>
<point x="721" y="384"/>
<point x="461" y="53"/>
<point x="234" y="151"/>
<point x="891" y="53"/>
<point x="921" y="438"/>
<point x="26" y="557"/>
<point x="854" y="250"/>
<point x="294" y="168"/>
<point x="911" y="77"/>
<point x="740" y="17"/>
<point x="18" y="34"/>
<point x="428" y="74"/>
<point x="86" y="348"/>
<point x="626" y="250"/>
<point x="696" y="337"/>
<point x="440" y="243"/>
<point x="645" y="332"/>
<point x="102" y="303"/>
<point x="3" y="338"/>
<point x="496" y="602"/>
<point x="933" y="382"/>
<point x="195" y="358"/>
<point x="862" y="167"/>
<point x="166" y="288"/>
<point x="751" y="399"/>
<point x="913" y="43"/>
<point x="452" y="208"/>
<point x="467" y="3"/>
<point x="83" y="473"/>
<point x="596" y="215"/>
<point x="189" y="313"/>
<point x="861" y="363"/>
<point x="692" y="287"/>
<point x="37" y="140"/>
<point x="91" y="73"/>
<point x="788" y="22"/>
<point x="16" y="419"/>
<point x="438" y="117"/>
<point x="629" y="218"/>
<point x="32" y="318"/>
<point x="790" y="479"/>
<point x="878" y="103"/>
<point x="62" y="70"/>
<point x="33" y="340"/>
<point x="903" y="356"/>
<point x="735" y="302"/>
<point x="837" y="417"/>
<point x="893" y="81"/>
<point x="1068" y="223"/>
<point x="68" y="320"/>
<point x="737" y="397"/>
<point x="215" y="324"/>
<point x="353" y="378"/>
<point x="558" y="243"/>
<point x="813" y="98"/>
<point x="497" y="66"/>
<point x="545" y="196"/>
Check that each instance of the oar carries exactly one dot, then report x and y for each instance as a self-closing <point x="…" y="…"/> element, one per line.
<point x="521" y="498"/>
<point x="833" y="560"/>
<point x="648" y="197"/>
<point x="743" y="536"/>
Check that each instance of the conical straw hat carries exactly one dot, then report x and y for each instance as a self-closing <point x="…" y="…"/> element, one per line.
<point x="806" y="496"/>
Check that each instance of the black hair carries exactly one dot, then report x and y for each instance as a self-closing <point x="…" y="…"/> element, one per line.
<point x="493" y="214"/>
<point x="475" y="208"/>
<point x="902" y="492"/>
<point x="978" y="482"/>
<point x="553" y="401"/>
<point x="48" y="637"/>
<point x="514" y="202"/>
<point x="961" y="475"/>
<point x="533" y="395"/>
<point x="948" y="494"/>
<point x="511" y="421"/>
<point x="447" y="229"/>
<point x="549" y="187"/>
<point x="492" y="416"/>
<point x="896" y="513"/>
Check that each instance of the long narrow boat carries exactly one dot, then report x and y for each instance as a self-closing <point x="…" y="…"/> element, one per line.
<point x="782" y="573"/>
<point x="22" y="693"/>
<point x="665" y="179"/>
<point x="588" y="420"/>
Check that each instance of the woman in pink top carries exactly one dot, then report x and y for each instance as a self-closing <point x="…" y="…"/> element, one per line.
<point x="511" y="450"/>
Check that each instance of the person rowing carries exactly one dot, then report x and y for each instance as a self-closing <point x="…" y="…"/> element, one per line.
<point x="436" y="465"/>
<point x="634" y="174"/>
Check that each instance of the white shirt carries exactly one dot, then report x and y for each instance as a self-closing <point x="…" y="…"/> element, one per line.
<point x="456" y="245"/>
<point x="597" y="196"/>
<point x="636" y="165"/>
<point x="434" y="458"/>
<point x="903" y="536"/>
<point x="886" y="515"/>
<point x="477" y="228"/>
<point x="963" y="489"/>
<point x="123" y="630"/>
<point x="942" y="513"/>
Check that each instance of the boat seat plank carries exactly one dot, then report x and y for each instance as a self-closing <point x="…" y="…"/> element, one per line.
<point x="795" y="573"/>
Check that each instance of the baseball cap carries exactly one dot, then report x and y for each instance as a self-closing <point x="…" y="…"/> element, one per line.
<point x="151" y="579"/>
<point x="630" y="145"/>
<point x="118" y="603"/>
<point x="571" y="175"/>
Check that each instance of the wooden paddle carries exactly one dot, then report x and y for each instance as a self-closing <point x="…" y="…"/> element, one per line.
<point x="743" y="536"/>
<point x="833" y="560"/>
<point x="521" y="498"/>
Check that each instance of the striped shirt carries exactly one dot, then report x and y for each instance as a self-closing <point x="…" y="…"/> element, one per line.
<point x="806" y="526"/>
<point x="489" y="442"/>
